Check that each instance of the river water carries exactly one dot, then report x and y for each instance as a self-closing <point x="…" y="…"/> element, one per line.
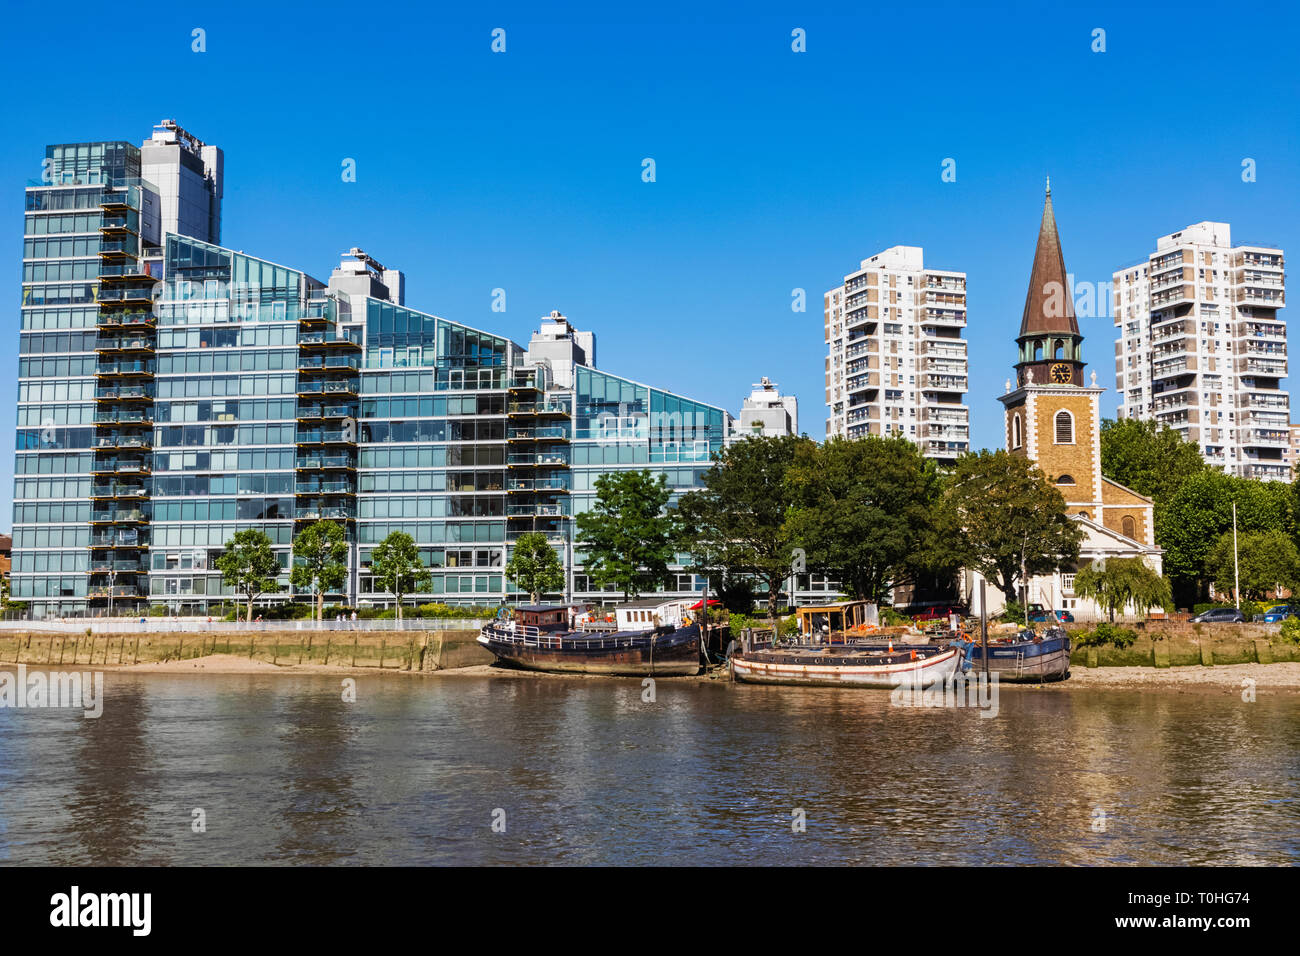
<point x="489" y="769"/>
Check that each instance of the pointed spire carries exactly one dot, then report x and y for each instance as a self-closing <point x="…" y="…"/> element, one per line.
<point x="1049" y="306"/>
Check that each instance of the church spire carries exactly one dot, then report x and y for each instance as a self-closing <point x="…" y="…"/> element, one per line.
<point x="1051" y="347"/>
<point x="1048" y="306"/>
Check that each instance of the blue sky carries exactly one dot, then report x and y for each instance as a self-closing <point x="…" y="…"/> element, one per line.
<point x="775" y="170"/>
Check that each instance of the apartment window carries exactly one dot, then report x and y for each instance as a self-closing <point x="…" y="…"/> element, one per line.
<point x="1064" y="428"/>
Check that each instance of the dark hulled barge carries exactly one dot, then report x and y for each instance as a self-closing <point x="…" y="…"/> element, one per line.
<point x="646" y="638"/>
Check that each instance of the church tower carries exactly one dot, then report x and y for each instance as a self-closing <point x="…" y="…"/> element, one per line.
<point x="1052" y="417"/>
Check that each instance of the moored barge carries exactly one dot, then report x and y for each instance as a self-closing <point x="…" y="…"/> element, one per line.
<point x="1027" y="658"/>
<point x="645" y="638"/>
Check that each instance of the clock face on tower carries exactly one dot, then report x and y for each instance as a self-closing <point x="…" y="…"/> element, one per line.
<point x="1061" y="374"/>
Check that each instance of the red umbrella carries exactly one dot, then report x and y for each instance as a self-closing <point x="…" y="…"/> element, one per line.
<point x="696" y="605"/>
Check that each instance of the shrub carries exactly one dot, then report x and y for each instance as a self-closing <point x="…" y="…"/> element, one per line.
<point x="738" y="624"/>
<point x="1012" y="611"/>
<point x="1290" y="633"/>
<point x="790" y="626"/>
<point x="1107" y="633"/>
<point x="890" y="617"/>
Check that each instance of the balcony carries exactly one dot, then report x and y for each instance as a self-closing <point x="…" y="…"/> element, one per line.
<point x="118" y="490"/>
<point x="124" y="369"/>
<point x="335" y="387"/>
<point x="325" y="462"/>
<point x="544" y="433"/>
<point x="124" y="441"/>
<point x="538" y="484"/>
<point x="120" y="591"/>
<point x="325" y="437"/>
<point x="943" y="383"/>
<point x="119" y="516"/>
<point x="543" y="460"/>
<point x="349" y="339"/>
<point x="131" y="343"/>
<point x="1266" y="438"/>
<point x="332" y="513"/>
<point x="537" y="408"/>
<point x="125" y="318"/>
<point x="125" y="393"/>
<point x="118" y="539"/>
<point x="324" y="488"/>
<point x="534" y="511"/>
<point x="113" y="466"/>
<point x="320" y="412"/>
<point x="318" y="363"/>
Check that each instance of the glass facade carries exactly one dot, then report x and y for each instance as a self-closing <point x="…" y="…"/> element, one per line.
<point x="172" y="392"/>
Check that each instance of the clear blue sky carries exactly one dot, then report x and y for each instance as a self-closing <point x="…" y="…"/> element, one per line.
<point x="775" y="169"/>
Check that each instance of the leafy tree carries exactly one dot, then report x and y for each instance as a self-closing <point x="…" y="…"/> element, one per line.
<point x="1199" y="513"/>
<point x="628" y="535"/>
<point x="1148" y="456"/>
<point x="1267" y="559"/>
<point x="1118" y="582"/>
<point x="397" y="568"/>
<point x="864" y="511"/>
<point x="535" y="566"/>
<point x="1011" y="520"/>
<point x="736" y="523"/>
<point x="320" y="561"/>
<point x="249" y="565"/>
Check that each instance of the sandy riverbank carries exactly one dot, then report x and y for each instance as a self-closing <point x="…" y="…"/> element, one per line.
<point x="1283" y="676"/>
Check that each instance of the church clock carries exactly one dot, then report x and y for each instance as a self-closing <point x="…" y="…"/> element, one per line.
<point x="1061" y="373"/>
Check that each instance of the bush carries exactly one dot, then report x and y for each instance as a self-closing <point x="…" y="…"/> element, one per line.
<point x="1013" y="612"/>
<point x="1290" y="633"/>
<point x="890" y="617"/>
<point x="789" y="627"/>
<point x="738" y="624"/>
<point x="1107" y="633"/>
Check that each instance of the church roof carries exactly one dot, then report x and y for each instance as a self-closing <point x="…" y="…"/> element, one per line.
<point x="1048" y="306"/>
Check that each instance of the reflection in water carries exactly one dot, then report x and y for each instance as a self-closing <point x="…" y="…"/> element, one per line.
<point x="584" y="771"/>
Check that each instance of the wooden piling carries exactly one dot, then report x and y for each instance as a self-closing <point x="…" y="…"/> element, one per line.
<point x="354" y="650"/>
<point x="136" y="653"/>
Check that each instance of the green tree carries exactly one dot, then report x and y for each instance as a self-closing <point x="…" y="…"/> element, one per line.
<point x="320" y="561"/>
<point x="1148" y="456"/>
<point x="736" y="525"/>
<point x="1268" y="560"/>
<point x="629" y="533"/>
<point x="249" y="565"/>
<point x="535" y="566"/>
<point x="1119" y="582"/>
<point x="1199" y="513"/>
<point x="863" y="511"/>
<point x="397" y="568"/>
<point x="1012" y="523"/>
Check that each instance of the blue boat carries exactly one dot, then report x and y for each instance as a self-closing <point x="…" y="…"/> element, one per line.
<point x="1027" y="658"/>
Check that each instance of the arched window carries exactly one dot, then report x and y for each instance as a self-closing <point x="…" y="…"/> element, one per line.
<point x="1059" y="350"/>
<point x="1038" y="351"/>
<point x="1064" y="428"/>
<point x="1015" y="430"/>
<point x="1065" y="480"/>
<point x="1129" y="527"/>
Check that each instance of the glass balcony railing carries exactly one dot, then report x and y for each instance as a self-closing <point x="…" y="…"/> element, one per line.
<point x="325" y="461"/>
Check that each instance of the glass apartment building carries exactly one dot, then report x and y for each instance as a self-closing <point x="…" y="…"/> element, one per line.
<point x="172" y="392"/>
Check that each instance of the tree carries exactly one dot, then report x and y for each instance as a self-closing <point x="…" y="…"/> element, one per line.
<point x="736" y="524"/>
<point x="1199" y="513"/>
<point x="320" y="556"/>
<point x="397" y="568"/>
<point x="535" y="566"/>
<point x="1148" y="457"/>
<point x="1268" y="560"/>
<point x="1012" y="523"/>
<point x="628" y="535"/>
<point x="1119" y="582"/>
<point x="863" y="510"/>
<point x="249" y="565"/>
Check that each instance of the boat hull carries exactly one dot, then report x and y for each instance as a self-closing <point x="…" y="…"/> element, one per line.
<point x="628" y="654"/>
<point x="849" y="670"/>
<point x="1025" y="662"/>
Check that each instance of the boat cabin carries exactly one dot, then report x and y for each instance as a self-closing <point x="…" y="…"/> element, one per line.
<point x="829" y="622"/>
<point x="648" y="615"/>
<point x="544" y="617"/>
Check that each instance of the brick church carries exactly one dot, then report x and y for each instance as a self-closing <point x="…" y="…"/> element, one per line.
<point x="1054" y="418"/>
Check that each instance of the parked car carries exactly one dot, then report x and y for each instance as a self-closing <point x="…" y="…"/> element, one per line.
<point x="1039" y="615"/>
<point x="1220" y="615"/>
<point x="1280" y="612"/>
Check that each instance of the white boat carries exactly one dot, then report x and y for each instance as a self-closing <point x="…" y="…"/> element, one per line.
<point x="849" y="666"/>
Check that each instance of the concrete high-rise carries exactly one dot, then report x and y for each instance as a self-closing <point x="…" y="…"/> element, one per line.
<point x="896" y="359"/>
<point x="1200" y="347"/>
